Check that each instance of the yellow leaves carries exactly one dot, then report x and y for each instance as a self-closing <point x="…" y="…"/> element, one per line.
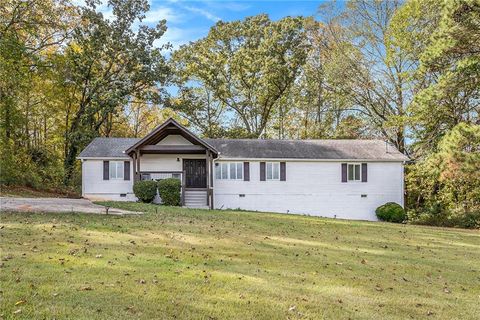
<point x="20" y="302"/>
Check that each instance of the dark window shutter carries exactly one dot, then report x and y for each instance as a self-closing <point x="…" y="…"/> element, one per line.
<point x="283" y="171"/>
<point x="262" y="171"/>
<point x="364" y="172"/>
<point x="106" y="170"/>
<point x="344" y="172"/>
<point x="126" y="170"/>
<point x="246" y="171"/>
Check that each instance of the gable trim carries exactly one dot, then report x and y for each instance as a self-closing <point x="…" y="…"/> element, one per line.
<point x="170" y="122"/>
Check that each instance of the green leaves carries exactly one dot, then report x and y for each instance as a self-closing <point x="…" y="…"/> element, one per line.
<point x="247" y="65"/>
<point x="450" y="177"/>
<point x="107" y="65"/>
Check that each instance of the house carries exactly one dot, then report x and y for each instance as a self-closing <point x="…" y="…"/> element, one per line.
<point x="345" y="179"/>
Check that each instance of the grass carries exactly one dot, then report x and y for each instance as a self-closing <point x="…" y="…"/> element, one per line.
<point x="27" y="192"/>
<point x="181" y="263"/>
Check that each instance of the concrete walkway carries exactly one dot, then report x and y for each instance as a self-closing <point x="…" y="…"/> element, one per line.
<point x="56" y="205"/>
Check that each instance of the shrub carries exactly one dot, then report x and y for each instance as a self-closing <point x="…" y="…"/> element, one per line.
<point x="471" y="220"/>
<point x="440" y="217"/>
<point x="391" y="212"/>
<point x="169" y="190"/>
<point x="145" y="190"/>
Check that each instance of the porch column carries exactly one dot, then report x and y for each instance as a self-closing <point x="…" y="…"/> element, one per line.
<point x="207" y="168"/>
<point x="135" y="175"/>
<point x="210" y="178"/>
<point x="137" y="156"/>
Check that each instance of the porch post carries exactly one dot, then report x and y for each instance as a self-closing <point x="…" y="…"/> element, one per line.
<point x="208" y="177"/>
<point x="137" y="157"/>
<point x="135" y="176"/>
<point x="210" y="189"/>
<point x="182" y="196"/>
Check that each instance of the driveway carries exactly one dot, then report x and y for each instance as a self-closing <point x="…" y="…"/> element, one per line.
<point x="56" y="205"/>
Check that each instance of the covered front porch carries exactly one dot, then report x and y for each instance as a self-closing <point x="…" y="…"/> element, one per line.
<point x="172" y="151"/>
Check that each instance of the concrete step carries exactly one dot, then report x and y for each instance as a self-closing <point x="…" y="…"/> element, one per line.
<point x="196" y="199"/>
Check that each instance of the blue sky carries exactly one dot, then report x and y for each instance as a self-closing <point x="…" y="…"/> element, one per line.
<point x="191" y="20"/>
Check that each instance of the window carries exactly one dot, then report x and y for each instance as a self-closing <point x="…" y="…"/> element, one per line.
<point x="273" y="170"/>
<point x="116" y="170"/>
<point x="354" y="172"/>
<point x="229" y="171"/>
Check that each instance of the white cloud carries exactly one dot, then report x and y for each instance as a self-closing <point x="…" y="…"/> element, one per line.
<point x="231" y="6"/>
<point x="157" y="14"/>
<point x="205" y="13"/>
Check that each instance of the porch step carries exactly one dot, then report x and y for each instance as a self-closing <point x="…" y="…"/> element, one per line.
<point x="196" y="199"/>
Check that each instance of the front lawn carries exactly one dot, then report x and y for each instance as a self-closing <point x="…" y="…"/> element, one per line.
<point x="184" y="264"/>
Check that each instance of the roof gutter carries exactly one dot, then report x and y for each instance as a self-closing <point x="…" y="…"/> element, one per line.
<point x="309" y="160"/>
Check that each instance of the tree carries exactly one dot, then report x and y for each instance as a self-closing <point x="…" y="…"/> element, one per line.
<point x="313" y="107"/>
<point x="201" y="109"/>
<point x="247" y="65"/>
<point x="372" y="79"/>
<point x="29" y="32"/>
<point x="449" y="55"/>
<point x="448" y="179"/>
<point x="106" y="65"/>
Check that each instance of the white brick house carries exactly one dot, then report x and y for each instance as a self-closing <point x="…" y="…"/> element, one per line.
<point x="345" y="179"/>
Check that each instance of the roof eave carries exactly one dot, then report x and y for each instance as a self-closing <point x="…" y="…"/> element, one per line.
<point x="310" y="159"/>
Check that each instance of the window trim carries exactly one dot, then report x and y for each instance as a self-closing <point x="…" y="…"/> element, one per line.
<point x="114" y="164"/>
<point x="354" y="164"/>
<point x="219" y="166"/>
<point x="266" y="170"/>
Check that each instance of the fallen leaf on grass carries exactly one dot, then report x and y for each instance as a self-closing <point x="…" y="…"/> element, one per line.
<point x="87" y="288"/>
<point x="20" y="302"/>
<point x="17" y="311"/>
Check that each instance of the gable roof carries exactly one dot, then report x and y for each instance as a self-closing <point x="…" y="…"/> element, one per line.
<point x="307" y="149"/>
<point x="162" y="131"/>
<point x="374" y="150"/>
<point x="108" y="148"/>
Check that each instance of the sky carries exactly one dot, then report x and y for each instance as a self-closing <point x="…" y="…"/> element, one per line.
<point x="191" y="20"/>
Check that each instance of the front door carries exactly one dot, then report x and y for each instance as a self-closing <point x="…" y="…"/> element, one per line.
<point x="195" y="173"/>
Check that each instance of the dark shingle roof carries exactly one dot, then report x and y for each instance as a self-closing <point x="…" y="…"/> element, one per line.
<point x="306" y="149"/>
<point x="267" y="149"/>
<point x="108" y="148"/>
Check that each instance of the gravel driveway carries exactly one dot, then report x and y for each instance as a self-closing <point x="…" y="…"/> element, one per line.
<point x="55" y="205"/>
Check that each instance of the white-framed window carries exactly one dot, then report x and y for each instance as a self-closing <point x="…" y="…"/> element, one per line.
<point x="229" y="171"/>
<point x="116" y="170"/>
<point x="273" y="170"/>
<point x="354" y="172"/>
